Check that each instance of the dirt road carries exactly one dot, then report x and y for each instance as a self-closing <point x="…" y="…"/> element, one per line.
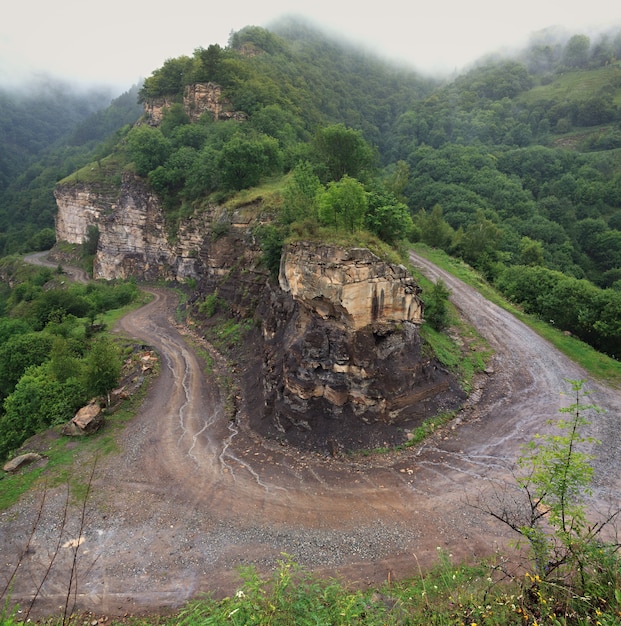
<point x="191" y="494"/>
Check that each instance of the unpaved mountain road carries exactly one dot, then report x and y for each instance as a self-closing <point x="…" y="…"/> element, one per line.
<point x="191" y="494"/>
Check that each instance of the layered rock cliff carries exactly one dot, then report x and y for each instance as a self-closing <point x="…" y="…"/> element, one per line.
<point x="198" y="98"/>
<point x="337" y="359"/>
<point x="342" y="363"/>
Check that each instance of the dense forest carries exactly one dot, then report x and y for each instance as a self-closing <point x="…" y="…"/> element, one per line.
<point x="513" y="166"/>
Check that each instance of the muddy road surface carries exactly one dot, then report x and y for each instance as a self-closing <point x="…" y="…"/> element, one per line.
<point x="192" y="495"/>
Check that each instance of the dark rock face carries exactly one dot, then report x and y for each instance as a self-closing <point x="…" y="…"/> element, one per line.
<point x="327" y="387"/>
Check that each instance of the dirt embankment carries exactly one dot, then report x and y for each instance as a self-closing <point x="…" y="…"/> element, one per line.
<point x="191" y="494"/>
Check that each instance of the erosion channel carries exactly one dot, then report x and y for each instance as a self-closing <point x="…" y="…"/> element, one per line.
<point x="191" y="495"/>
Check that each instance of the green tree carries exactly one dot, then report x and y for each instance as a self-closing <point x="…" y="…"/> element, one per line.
<point x="343" y="204"/>
<point x="271" y="240"/>
<point x="300" y="194"/>
<point x="147" y="148"/>
<point x="17" y="354"/>
<point x="436" y="305"/>
<point x="204" y="175"/>
<point x="89" y="246"/>
<point x="531" y="252"/>
<point x="167" y="80"/>
<point x="555" y="478"/>
<point x="387" y="217"/>
<point x="434" y="230"/>
<point x="210" y="62"/>
<point x="174" y="117"/>
<point x="103" y="367"/>
<point x="243" y="161"/>
<point x="397" y="180"/>
<point x="576" y="53"/>
<point x="481" y="237"/>
<point x="38" y="401"/>
<point x="64" y="363"/>
<point x="342" y="152"/>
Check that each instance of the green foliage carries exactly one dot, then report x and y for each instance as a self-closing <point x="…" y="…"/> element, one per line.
<point x="242" y="161"/>
<point x="300" y="194"/>
<point x="343" y="205"/>
<point x="571" y="304"/>
<point x="102" y="367"/>
<point x="168" y="79"/>
<point x="211" y="304"/>
<point x="45" y="376"/>
<point x="92" y="240"/>
<point x="343" y="151"/>
<point x="38" y="401"/>
<point x="571" y="560"/>
<point x="388" y="217"/>
<point x="433" y="228"/>
<point x="271" y="240"/>
<point x="44" y="136"/>
<point x="17" y="354"/>
<point x="147" y="148"/>
<point x="436" y="305"/>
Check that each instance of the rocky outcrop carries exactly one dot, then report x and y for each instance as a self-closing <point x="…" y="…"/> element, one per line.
<point x="198" y="98"/>
<point x="350" y="284"/>
<point x="210" y="246"/>
<point x="342" y="359"/>
<point x="337" y="356"/>
<point x="79" y="206"/>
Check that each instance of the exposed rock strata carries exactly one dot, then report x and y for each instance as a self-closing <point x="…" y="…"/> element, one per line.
<point x="338" y="368"/>
<point x="351" y="284"/>
<point x="337" y="359"/>
<point x="198" y="99"/>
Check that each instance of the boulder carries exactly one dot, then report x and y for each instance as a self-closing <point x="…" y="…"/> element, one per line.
<point x="22" y="459"/>
<point x="87" y="420"/>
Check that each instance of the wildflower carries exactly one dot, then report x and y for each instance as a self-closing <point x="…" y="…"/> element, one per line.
<point x="240" y="594"/>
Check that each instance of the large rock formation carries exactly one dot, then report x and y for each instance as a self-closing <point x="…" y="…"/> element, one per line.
<point x="342" y="362"/>
<point x="351" y="284"/>
<point x="338" y="359"/>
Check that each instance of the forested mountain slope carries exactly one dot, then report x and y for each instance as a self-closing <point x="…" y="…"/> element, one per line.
<point x="515" y="165"/>
<point x="48" y="130"/>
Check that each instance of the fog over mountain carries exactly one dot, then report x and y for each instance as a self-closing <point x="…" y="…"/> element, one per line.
<point x="117" y="43"/>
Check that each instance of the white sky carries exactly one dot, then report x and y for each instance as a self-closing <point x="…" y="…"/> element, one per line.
<point x="119" y="41"/>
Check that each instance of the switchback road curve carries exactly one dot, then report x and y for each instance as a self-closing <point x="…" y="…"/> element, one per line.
<point x="191" y="495"/>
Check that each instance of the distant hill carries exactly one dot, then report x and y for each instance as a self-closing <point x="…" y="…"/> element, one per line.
<point x="47" y="130"/>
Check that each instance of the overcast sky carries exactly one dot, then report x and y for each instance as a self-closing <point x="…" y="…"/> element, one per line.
<point x="120" y="41"/>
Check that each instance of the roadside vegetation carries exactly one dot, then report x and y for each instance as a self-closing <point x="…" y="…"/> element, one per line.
<point x="54" y="355"/>
<point x="598" y="365"/>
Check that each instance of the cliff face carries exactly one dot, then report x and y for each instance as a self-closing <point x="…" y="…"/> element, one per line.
<point x="198" y="98"/>
<point x="353" y="285"/>
<point x="337" y="358"/>
<point x="342" y="362"/>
